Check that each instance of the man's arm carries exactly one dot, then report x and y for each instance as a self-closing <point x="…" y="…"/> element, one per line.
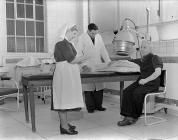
<point x="79" y="46"/>
<point x="158" y="65"/>
<point x="137" y="61"/>
<point x="104" y="52"/>
<point x="151" y="77"/>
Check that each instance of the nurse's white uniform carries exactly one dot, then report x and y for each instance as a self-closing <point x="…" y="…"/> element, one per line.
<point x="67" y="88"/>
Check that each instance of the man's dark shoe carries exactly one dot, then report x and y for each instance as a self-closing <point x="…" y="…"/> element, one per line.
<point x="127" y="121"/>
<point x="101" y="109"/>
<point x="124" y="123"/>
<point x="91" y="111"/>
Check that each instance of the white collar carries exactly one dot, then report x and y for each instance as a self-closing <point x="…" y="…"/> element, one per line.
<point x="66" y="38"/>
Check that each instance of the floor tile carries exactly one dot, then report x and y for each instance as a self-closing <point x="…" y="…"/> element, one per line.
<point x="83" y="125"/>
<point x="103" y="117"/>
<point x="172" y="138"/>
<point x="91" y="126"/>
<point x="157" y="131"/>
<point x="99" y="133"/>
<point x="18" y="131"/>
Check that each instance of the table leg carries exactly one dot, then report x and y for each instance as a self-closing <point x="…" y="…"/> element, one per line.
<point x="121" y="92"/>
<point x="32" y="108"/>
<point x="25" y="97"/>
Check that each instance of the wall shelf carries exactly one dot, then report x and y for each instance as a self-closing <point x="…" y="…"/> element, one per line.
<point x="158" y="24"/>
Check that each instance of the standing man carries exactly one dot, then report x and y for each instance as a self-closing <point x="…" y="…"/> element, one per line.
<point x="91" y="44"/>
<point x="148" y="81"/>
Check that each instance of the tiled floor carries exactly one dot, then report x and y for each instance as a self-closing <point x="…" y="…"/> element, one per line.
<point x="96" y="126"/>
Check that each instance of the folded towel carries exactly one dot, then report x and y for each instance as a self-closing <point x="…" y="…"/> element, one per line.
<point x="28" y="62"/>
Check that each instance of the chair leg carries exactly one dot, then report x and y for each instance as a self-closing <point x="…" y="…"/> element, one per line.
<point x="18" y="101"/>
<point x="165" y="110"/>
<point x="145" y="117"/>
<point x="150" y="116"/>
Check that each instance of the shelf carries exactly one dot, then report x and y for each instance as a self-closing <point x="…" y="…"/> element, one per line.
<point x="158" y="24"/>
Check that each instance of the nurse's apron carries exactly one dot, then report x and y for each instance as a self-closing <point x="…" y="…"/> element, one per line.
<point x="67" y="89"/>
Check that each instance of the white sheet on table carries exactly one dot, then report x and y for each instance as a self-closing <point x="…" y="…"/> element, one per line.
<point x="120" y="66"/>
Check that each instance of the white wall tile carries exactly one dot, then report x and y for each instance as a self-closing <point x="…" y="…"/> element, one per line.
<point x="176" y="46"/>
<point x="59" y="13"/>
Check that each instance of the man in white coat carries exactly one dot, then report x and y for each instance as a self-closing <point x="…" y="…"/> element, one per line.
<point x="92" y="45"/>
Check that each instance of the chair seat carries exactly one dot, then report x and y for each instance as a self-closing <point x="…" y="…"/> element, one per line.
<point x="159" y="91"/>
<point x="7" y="91"/>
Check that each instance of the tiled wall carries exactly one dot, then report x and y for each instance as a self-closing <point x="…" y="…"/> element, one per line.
<point x="166" y="48"/>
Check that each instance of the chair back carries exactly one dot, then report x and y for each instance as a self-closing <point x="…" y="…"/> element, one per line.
<point x="163" y="78"/>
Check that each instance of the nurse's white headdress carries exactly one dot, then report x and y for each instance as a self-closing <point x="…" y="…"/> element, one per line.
<point x="60" y="35"/>
<point x="62" y="31"/>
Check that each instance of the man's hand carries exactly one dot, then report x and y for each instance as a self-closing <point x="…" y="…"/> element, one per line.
<point x="86" y="68"/>
<point x="142" y="81"/>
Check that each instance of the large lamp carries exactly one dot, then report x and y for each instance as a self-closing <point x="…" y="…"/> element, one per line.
<point x="125" y="40"/>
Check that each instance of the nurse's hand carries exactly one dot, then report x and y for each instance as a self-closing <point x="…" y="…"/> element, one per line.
<point x="78" y="60"/>
<point x="86" y="68"/>
<point x="52" y="69"/>
<point x="82" y="59"/>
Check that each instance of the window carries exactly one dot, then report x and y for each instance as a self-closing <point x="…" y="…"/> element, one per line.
<point x="25" y="25"/>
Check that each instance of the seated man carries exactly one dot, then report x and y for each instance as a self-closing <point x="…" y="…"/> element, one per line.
<point x="148" y="81"/>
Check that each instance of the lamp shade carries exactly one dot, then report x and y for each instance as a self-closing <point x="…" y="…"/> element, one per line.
<point x="124" y="42"/>
<point x="125" y="39"/>
<point x="126" y="35"/>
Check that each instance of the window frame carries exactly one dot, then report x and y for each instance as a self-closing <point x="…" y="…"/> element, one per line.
<point x="45" y="49"/>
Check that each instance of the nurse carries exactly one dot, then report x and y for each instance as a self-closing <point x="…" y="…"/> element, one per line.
<point x="92" y="45"/>
<point x="67" y="88"/>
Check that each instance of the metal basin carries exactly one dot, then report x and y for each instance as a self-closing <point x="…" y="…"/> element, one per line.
<point x="123" y="47"/>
